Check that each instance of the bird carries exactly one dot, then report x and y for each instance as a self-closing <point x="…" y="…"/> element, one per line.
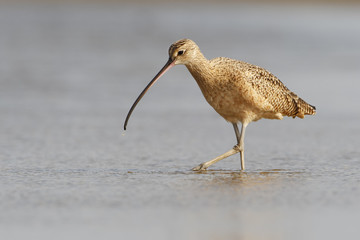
<point x="238" y="91"/>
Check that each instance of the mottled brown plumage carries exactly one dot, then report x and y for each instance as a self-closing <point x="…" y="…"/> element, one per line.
<point x="238" y="91"/>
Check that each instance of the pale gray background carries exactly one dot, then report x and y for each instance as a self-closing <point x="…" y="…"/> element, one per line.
<point x="70" y="72"/>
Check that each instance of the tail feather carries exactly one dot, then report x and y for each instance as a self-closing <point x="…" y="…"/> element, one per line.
<point x="305" y="109"/>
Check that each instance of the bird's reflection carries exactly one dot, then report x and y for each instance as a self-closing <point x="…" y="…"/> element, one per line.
<point x="248" y="178"/>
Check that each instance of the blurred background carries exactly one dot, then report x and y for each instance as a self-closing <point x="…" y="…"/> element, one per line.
<point x="70" y="70"/>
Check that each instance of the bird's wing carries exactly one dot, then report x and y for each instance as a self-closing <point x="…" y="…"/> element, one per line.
<point x="274" y="91"/>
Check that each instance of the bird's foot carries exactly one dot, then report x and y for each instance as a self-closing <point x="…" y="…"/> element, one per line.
<point x="200" y="167"/>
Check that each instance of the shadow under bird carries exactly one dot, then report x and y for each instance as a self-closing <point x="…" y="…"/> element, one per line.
<point x="238" y="91"/>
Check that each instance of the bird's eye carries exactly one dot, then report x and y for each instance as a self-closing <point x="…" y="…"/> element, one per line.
<point x="181" y="52"/>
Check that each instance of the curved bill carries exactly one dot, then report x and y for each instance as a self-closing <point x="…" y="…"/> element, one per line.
<point x="170" y="63"/>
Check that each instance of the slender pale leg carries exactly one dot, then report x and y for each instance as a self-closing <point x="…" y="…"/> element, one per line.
<point x="240" y="142"/>
<point x="237" y="148"/>
<point x="205" y="165"/>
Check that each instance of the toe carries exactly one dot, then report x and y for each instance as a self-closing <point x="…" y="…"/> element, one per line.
<point x="200" y="167"/>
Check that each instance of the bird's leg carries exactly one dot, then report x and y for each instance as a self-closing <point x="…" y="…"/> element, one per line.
<point x="237" y="148"/>
<point x="240" y="140"/>
<point x="205" y="165"/>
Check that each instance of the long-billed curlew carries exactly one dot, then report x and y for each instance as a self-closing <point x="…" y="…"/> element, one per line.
<point x="238" y="91"/>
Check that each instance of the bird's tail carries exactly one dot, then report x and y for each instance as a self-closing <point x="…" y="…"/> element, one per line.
<point x="305" y="109"/>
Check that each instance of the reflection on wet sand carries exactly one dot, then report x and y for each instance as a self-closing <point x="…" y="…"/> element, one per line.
<point x="250" y="178"/>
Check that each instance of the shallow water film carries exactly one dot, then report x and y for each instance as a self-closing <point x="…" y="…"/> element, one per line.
<point x="70" y="72"/>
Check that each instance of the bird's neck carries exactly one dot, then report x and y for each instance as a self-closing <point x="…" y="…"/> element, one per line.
<point x="200" y="69"/>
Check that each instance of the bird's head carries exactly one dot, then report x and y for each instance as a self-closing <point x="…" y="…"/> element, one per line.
<point x="183" y="51"/>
